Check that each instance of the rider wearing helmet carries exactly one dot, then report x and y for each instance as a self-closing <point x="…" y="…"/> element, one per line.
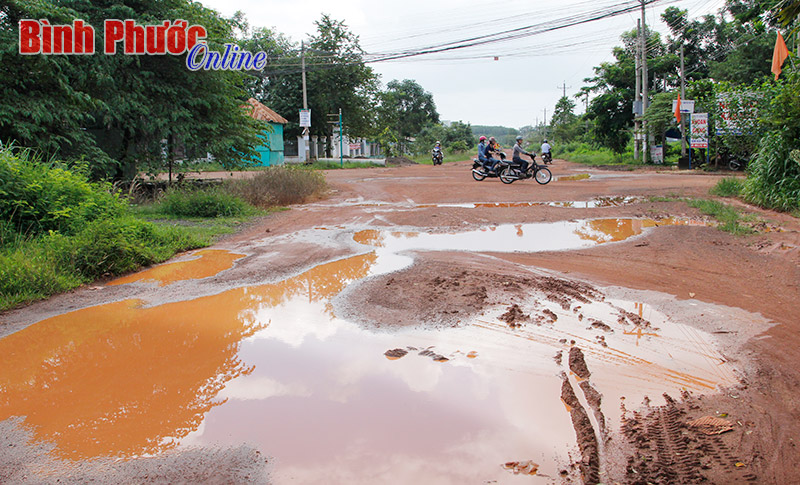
<point x="484" y="157"/>
<point x="515" y="157"/>
<point x="546" y="149"/>
<point x="492" y="147"/>
<point x="436" y="153"/>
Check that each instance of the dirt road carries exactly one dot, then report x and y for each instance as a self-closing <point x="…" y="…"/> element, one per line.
<point x="417" y="325"/>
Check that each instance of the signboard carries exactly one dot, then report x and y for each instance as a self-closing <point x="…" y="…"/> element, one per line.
<point x="687" y="105"/>
<point x="305" y="118"/>
<point x="657" y="153"/>
<point x="737" y="113"/>
<point x="699" y="130"/>
<point x="355" y="146"/>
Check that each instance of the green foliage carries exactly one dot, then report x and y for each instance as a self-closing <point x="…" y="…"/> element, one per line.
<point x="580" y="152"/>
<point x="728" y="187"/>
<point x="36" y="197"/>
<point x="505" y="136"/>
<point x="406" y="108"/>
<point x="612" y="118"/>
<point x="36" y="268"/>
<point x="729" y="218"/>
<point x="202" y="202"/>
<point x="774" y="174"/>
<point x="337" y="78"/>
<point x="279" y="186"/>
<point x="116" y="110"/>
<point x="565" y="126"/>
<point x="456" y="137"/>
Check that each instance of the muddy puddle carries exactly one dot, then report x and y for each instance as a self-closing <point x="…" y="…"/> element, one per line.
<point x="409" y="205"/>
<point x="273" y="366"/>
<point x="555" y="236"/>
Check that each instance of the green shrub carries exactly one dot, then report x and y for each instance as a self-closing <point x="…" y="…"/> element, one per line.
<point x="205" y="202"/>
<point x="39" y="267"/>
<point x="38" y="197"/>
<point x="773" y="180"/>
<point x="279" y="186"/>
<point x="728" y="187"/>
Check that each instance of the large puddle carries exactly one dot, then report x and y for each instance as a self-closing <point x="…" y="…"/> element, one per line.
<point x="273" y="366"/>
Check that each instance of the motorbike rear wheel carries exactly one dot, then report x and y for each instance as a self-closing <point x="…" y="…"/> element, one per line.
<point x="478" y="176"/>
<point x="543" y="176"/>
<point x="507" y="176"/>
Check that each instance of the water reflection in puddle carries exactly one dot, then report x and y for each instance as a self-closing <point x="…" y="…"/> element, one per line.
<point x="563" y="235"/>
<point x="273" y="366"/>
<point x="205" y="263"/>
<point x="410" y="205"/>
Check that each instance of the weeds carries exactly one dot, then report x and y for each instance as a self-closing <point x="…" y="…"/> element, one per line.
<point x="205" y="202"/>
<point x="279" y="186"/>
<point x="728" y="187"/>
<point x="729" y="218"/>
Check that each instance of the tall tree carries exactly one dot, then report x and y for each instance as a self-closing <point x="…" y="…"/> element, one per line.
<point x="123" y="107"/>
<point x="406" y="108"/>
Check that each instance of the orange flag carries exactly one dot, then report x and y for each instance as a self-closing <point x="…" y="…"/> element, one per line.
<point x="678" y="109"/>
<point x="779" y="55"/>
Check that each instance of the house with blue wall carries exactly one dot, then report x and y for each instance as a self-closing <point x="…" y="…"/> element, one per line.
<point x="271" y="151"/>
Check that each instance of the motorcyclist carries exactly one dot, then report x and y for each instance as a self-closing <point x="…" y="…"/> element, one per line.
<point x="436" y="153"/>
<point x="546" y="149"/>
<point x="483" y="156"/>
<point x="515" y="157"/>
<point x="491" y="148"/>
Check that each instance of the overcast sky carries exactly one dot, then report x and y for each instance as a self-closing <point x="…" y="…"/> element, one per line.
<point x="518" y="89"/>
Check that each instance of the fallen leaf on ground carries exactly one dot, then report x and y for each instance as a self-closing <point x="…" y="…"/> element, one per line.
<point x="711" y="425"/>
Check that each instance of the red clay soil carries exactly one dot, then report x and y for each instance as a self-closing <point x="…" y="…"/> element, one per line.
<point x="759" y="273"/>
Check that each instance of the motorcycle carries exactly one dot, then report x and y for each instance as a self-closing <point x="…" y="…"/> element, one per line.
<point x="437" y="156"/>
<point x="547" y="158"/>
<point x="511" y="172"/>
<point x="480" y="172"/>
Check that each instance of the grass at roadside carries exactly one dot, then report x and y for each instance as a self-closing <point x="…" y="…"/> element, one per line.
<point x="425" y="158"/>
<point x="58" y="230"/>
<point x="731" y="220"/>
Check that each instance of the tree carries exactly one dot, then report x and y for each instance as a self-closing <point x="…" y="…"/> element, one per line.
<point x="612" y="118"/>
<point x="565" y="125"/>
<point x="406" y="108"/>
<point x="340" y="80"/>
<point x="130" y="109"/>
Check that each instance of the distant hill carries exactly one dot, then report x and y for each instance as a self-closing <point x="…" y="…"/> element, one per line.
<point x="505" y="135"/>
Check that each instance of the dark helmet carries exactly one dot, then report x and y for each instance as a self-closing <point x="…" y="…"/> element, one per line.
<point x="519" y="138"/>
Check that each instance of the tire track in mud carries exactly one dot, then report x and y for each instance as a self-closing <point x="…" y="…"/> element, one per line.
<point x="669" y="451"/>
<point x="590" y="437"/>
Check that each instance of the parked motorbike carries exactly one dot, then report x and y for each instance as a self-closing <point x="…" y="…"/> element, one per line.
<point x="437" y="157"/>
<point x="480" y="172"/>
<point x="511" y="171"/>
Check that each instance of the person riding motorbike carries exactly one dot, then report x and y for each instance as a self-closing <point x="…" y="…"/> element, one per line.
<point x="491" y="148"/>
<point x="546" y="149"/>
<point x="437" y="153"/>
<point x="484" y="157"/>
<point x="515" y="157"/>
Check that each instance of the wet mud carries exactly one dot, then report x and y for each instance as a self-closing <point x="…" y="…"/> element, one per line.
<point x="340" y="344"/>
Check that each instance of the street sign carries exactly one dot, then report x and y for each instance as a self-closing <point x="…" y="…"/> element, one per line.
<point x="687" y="105"/>
<point x="305" y="118"/>
<point x="699" y="130"/>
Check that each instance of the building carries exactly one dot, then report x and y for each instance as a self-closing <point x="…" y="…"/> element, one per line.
<point x="271" y="152"/>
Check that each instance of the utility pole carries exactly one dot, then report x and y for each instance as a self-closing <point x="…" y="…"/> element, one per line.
<point x="683" y="98"/>
<point x="306" y="138"/>
<point x="341" y="142"/>
<point x="563" y="87"/>
<point x="637" y="100"/>
<point x="544" y="126"/>
<point x="645" y="145"/>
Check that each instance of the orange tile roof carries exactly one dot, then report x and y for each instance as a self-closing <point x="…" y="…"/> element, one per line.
<point x="262" y="113"/>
